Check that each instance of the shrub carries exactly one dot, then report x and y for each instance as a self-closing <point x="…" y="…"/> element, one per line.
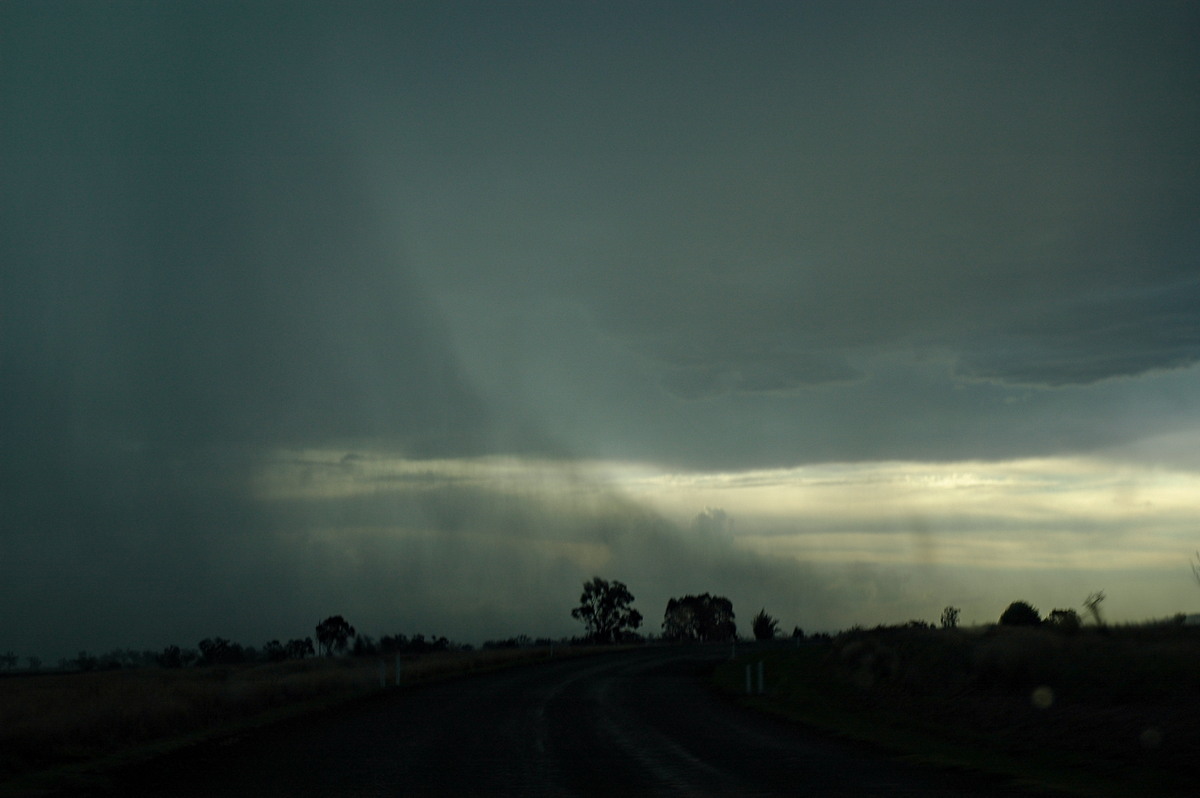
<point x="1064" y="620"/>
<point x="764" y="626"/>
<point x="1020" y="613"/>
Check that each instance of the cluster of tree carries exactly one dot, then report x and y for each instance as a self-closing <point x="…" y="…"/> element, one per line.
<point x="219" y="651"/>
<point x="520" y="641"/>
<point x="111" y="661"/>
<point x="702" y="618"/>
<point x="1022" y="613"/>
<point x="333" y="635"/>
<point x="274" y="651"/>
<point x="606" y="610"/>
<point x="364" y="646"/>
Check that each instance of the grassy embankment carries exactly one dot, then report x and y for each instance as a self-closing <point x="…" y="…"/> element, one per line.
<point x="53" y="723"/>
<point x="1114" y="713"/>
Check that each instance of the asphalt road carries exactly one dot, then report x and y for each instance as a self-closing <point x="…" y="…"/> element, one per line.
<point x="644" y="722"/>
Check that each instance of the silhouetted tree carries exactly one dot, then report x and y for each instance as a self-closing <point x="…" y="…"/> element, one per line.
<point x="702" y="617"/>
<point x="764" y="626"/>
<point x="417" y="644"/>
<point x="334" y="633"/>
<point x="35" y="663"/>
<point x="299" y="649"/>
<point x="1020" y="613"/>
<point x="950" y="617"/>
<point x="797" y="633"/>
<point x="273" y="651"/>
<point x="604" y="608"/>
<point x="10" y="660"/>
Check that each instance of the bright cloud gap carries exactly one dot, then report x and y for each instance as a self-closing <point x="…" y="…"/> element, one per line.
<point x="1073" y="513"/>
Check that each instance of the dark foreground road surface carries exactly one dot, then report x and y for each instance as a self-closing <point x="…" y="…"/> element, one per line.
<point x="642" y="722"/>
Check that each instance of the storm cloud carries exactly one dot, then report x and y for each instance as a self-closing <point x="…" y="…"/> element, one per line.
<point x="243" y="249"/>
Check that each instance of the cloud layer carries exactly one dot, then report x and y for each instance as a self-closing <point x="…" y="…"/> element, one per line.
<point x="704" y="240"/>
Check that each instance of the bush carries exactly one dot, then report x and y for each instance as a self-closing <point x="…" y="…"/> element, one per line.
<point x="764" y="626"/>
<point x="1064" y="620"/>
<point x="1020" y="613"/>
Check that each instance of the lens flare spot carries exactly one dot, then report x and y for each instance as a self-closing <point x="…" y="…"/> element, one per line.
<point x="1151" y="737"/>
<point x="1042" y="697"/>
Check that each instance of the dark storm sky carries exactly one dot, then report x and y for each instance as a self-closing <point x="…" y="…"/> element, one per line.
<point x="698" y="237"/>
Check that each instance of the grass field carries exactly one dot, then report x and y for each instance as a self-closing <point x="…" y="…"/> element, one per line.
<point x="1114" y="713"/>
<point x="52" y="721"/>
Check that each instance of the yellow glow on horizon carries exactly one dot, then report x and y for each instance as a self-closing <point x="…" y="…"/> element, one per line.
<point x="1042" y="551"/>
<point x="1068" y="513"/>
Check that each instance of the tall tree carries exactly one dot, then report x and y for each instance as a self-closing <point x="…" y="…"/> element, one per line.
<point x="334" y="633"/>
<point x="604" y="608"/>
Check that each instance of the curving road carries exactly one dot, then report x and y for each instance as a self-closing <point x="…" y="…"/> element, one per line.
<point x="642" y="722"/>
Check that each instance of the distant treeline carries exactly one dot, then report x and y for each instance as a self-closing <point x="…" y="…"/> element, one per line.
<point x="221" y="651"/>
<point x="525" y="641"/>
<point x="332" y="635"/>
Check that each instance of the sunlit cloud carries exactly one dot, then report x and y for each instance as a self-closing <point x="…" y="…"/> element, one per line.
<point x="1063" y="513"/>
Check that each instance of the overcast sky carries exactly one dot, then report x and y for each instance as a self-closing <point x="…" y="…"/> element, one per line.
<point x="423" y="313"/>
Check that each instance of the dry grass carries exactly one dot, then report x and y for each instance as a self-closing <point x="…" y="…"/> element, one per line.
<point x="52" y="720"/>
<point x="1115" y="712"/>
